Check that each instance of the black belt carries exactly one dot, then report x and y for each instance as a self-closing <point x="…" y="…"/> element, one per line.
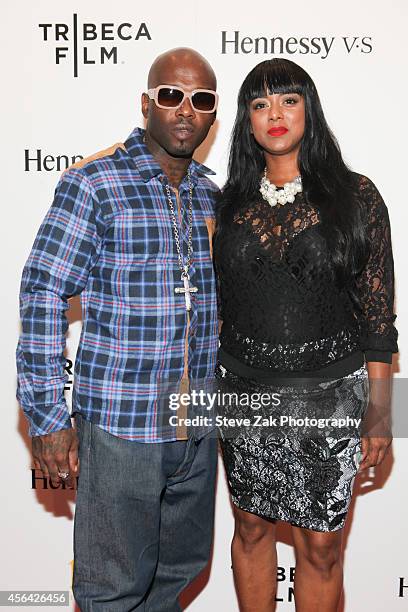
<point x="338" y="369"/>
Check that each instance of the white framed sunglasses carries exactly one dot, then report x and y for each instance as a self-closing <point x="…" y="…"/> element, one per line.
<point x="169" y="96"/>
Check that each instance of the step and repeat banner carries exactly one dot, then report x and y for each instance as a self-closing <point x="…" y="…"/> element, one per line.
<point x="73" y="74"/>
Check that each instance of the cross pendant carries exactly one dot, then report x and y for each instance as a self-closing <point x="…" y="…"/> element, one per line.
<point x="186" y="289"/>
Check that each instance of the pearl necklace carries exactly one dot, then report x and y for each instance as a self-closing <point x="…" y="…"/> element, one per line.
<point x="274" y="196"/>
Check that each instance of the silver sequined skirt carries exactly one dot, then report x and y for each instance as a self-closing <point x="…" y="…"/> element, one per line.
<point x="296" y="457"/>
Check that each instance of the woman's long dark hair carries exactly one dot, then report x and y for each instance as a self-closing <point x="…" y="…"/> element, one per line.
<point x="328" y="184"/>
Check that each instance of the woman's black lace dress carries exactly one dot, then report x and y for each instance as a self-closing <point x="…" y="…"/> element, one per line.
<point x="290" y="329"/>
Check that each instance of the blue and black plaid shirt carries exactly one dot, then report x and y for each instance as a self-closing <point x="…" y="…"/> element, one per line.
<point x="108" y="236"/>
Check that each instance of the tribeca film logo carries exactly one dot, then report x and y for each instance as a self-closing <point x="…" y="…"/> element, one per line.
<point x="285" y="579"/>
<point x="69" y="365"/>
<point x="90" y="43"/>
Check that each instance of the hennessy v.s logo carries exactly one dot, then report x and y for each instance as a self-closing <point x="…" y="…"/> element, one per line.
<point x="363" y="44"/>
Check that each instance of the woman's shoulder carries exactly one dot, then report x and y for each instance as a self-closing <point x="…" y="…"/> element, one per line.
<point x="369" y="193"/>
<point x="364" y="182"/>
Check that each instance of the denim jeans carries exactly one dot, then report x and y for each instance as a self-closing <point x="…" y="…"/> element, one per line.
<point x="143" y="521"/>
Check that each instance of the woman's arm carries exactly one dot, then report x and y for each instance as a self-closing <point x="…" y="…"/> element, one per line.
<point x="378" y="333"/>
<point x="376" y="431"/>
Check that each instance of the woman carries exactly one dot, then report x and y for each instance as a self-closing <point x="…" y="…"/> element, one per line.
<point x="306" y="295"/>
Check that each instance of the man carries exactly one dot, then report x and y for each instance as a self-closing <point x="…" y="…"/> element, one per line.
<point x="130" y="230"/>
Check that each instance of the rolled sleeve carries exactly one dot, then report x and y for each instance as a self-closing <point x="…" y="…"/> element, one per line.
<point x="376" y="282"/>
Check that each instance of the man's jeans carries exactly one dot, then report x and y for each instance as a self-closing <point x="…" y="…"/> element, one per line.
<point x="143" y="520"/>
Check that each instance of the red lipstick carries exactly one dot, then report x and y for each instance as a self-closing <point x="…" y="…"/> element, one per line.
<point x="277" y="131"/>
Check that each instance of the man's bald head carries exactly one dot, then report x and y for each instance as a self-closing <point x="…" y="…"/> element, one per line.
<point x="182" y="59"/>
<point x="176" y="131"/>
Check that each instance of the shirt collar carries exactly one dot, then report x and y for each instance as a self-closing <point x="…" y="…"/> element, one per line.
<point x="146" y="163"/>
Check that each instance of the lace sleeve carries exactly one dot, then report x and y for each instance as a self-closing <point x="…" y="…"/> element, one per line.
<point x="375" y="284"/>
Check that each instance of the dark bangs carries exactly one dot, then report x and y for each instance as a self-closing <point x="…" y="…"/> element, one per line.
<point x="276" y="76"/>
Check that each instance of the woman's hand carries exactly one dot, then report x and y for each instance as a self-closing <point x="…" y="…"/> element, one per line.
<point x="376" y="434"/>
<point x="373" y="451"/>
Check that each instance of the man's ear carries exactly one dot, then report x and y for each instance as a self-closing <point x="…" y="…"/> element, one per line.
<point x="145" y="105"/>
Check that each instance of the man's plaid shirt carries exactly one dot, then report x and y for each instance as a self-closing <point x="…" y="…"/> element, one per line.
<point x="108" y="236"/>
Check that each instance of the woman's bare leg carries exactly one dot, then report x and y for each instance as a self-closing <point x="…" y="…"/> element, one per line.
<point x="319" y="570"/>
<point x="254" y="562"/>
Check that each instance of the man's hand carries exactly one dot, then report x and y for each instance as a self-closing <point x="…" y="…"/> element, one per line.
<point x="56" y="452"/>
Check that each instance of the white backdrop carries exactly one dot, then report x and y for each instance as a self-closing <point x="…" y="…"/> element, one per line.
<point x="356" y="53"/>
